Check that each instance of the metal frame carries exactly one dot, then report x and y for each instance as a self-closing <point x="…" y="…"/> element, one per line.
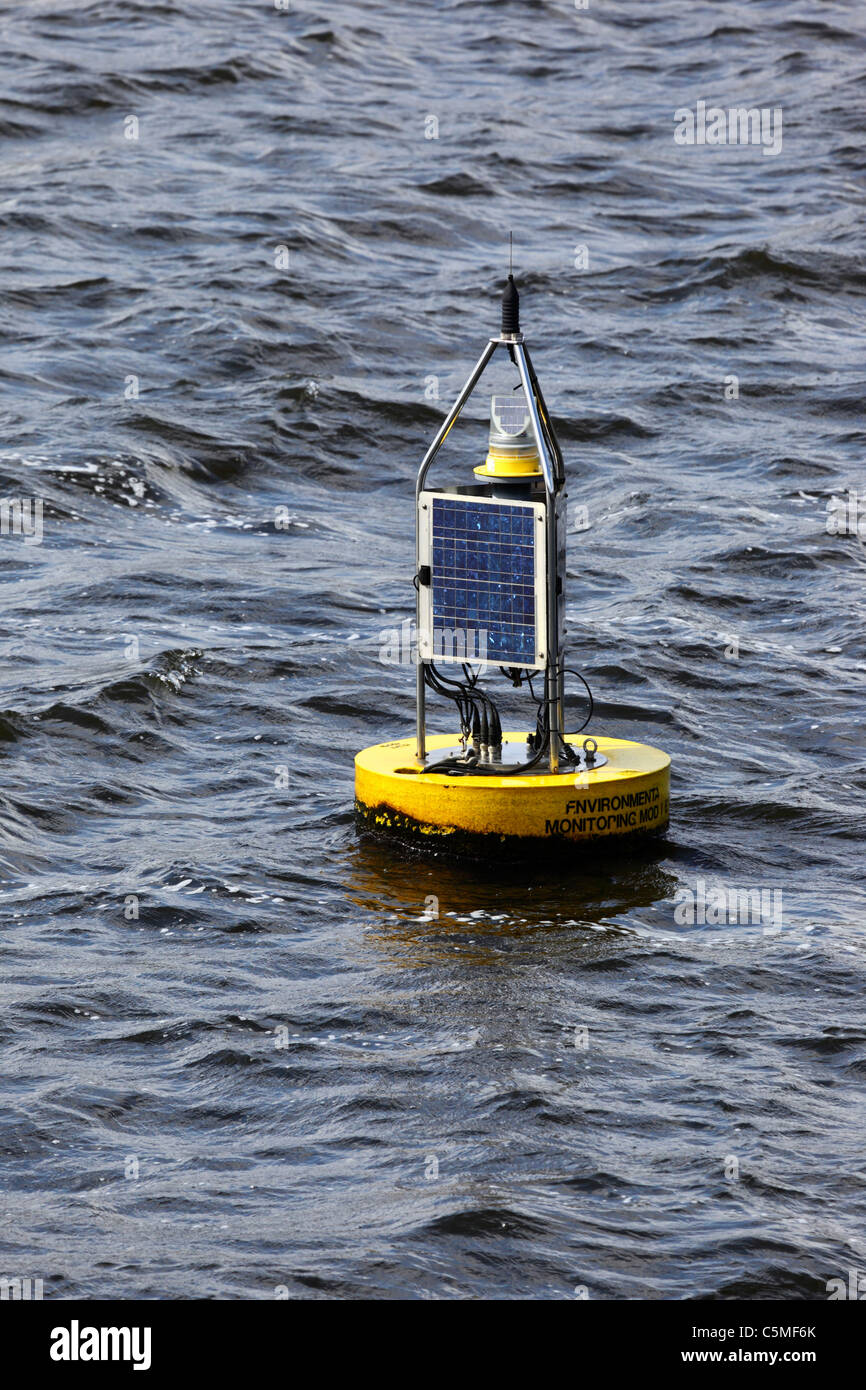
<point x="553" y="472"/>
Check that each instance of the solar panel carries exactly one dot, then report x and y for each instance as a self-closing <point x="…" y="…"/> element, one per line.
<point x="485" y="600"/>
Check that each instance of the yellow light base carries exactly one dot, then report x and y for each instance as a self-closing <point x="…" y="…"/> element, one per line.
<point x="509" y="466"/>
<point x="624" y="800"/>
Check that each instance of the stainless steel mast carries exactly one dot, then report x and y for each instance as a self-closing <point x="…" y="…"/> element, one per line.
<point x="553" y="472"/>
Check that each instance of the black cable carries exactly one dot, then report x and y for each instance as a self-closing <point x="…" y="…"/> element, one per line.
<point x="476" y="708"/>
<point x="465" y="705"/>
<point x="468" y="695"/>
<point x="570" y="672"/>
<point x="477" y="769"/>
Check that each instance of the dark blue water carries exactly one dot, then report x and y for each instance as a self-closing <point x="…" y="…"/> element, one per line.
<point x="207" y="980"/>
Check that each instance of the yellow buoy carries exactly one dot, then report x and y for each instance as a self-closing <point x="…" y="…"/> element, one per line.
<point x="625" y="798"/>
<point x="490" y="575"/>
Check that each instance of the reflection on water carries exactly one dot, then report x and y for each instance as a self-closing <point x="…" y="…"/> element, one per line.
<point x="425" y="904"/>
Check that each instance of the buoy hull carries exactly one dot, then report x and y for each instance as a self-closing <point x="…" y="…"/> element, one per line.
<point x="625" y="800"/>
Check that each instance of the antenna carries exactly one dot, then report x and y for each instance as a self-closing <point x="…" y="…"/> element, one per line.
<point x="510" y="299"/>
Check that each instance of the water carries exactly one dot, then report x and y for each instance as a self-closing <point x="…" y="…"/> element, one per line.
<point x="207" y="980"/>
